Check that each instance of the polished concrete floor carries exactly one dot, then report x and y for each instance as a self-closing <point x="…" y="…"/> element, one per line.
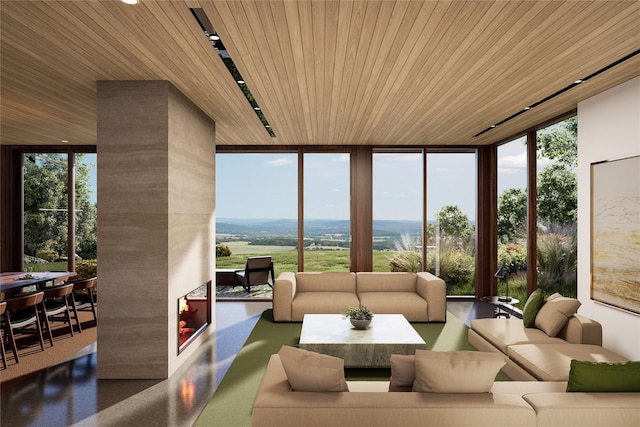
<point x="70" y="395"/>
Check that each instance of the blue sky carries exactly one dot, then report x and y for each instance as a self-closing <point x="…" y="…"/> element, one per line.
<point x="265" y="185"/>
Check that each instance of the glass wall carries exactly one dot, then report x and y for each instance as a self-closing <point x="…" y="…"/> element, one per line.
<point x="451" y="215"/>
<point x="46" y="213"/>
<point x="86" y="220"/>
<point x="45" y="190"/>
<point x="512" y="218"/>
<point x="397" y="211"/>
<point x="327" y="198"/>
<point x="557" y="153"/>
<point x="256" y="211"/>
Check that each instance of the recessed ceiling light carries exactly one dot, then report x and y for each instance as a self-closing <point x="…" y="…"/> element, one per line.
<point x="217" y="43"/>
<point x="130" y="1"/>
<point x="562" y="90"/>
<point x="65" y="141"/>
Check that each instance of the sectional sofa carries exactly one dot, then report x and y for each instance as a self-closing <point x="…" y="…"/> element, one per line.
<point x="420" y="297"/>
<point x="370" y="404"/>
<point x="541" y="348"/>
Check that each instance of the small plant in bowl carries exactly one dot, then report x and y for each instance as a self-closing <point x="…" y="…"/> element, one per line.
<point x="360" y="317"/>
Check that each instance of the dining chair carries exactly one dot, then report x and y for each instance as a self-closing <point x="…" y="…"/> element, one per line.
<point x="25" y="309"/>
<point x="59" y="300"/>
<point x="256" y="272"/>
<point x="84" y="298"/>
<point x="3" y="308"/>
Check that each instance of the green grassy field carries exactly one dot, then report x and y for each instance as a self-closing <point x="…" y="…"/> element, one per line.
<point x="287" y="260"/>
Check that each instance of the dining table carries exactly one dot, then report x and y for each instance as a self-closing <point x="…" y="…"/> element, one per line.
<point x="16" y="282"/>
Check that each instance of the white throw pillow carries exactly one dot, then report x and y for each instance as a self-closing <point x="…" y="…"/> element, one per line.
<point x="311" y="371"/>
<point x="456" y="371"/>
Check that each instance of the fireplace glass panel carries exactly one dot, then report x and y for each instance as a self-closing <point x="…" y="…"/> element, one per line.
<point x="194" y="314"/>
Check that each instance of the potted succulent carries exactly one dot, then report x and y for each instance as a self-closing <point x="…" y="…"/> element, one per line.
<point x="360" y="317"/>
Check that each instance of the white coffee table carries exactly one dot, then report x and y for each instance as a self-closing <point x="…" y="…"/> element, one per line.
<point x="371" y="348"/>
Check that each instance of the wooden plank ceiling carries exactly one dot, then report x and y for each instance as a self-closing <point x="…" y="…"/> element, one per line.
<point x="392" y="73"/>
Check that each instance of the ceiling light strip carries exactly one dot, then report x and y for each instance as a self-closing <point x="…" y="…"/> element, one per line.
<point x="560" y="92"/>
<point x="217" y="44"/>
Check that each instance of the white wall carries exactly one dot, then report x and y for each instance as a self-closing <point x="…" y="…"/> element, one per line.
<point x="608" y="129"/>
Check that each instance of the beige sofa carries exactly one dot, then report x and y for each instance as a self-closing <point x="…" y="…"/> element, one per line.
<point x="420" y="297"/>
<point x="532" y="355"/>
<point x="368" y="403"/>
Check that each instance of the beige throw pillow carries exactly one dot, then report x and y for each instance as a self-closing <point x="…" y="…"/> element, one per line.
<point x="555" y="313"/>
<point x="456" y="371"/>
<point x="310" y="371"/>
<point x="403" y="372"/>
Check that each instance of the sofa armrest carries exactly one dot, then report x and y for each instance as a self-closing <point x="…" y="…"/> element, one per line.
<point x="284" y="289"/>
<point x="434" y="291"/>
<point x="582" y="330"/>
<point x="585" y="409"/>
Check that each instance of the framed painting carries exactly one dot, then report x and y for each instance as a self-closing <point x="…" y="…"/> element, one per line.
<point x="615" y="233"/>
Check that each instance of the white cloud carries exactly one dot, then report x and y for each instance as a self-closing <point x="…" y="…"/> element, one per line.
<point x="512" y="164"/>
<point x="341" y="158"/>
<point x="518" y="163"/>
<point x="279" y="162"/>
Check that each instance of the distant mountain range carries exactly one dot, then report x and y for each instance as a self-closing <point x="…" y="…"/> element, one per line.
<point x="284" y="227"/>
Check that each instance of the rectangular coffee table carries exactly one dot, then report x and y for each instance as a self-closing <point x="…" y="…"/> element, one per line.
<point x="371" y="348"/>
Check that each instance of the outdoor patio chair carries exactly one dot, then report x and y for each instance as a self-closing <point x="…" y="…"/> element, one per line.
<point x="256" y="272"/>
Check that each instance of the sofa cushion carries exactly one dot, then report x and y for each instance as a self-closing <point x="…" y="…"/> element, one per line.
<point x="456" y="371"/>
<point x="321" y="303"/>
<point x="551" y="362"/>
<point x="403" y="372"/>
<point x="604" y="377"/>
<point x="328" y="281"/>
<point x="532" y="307"/>
<point x="502" y="333"/>
<point x="555" y="313"/>
<point x="410" y="304"/>
<point x="310" y="371"/>
<point x="386" y="282"/>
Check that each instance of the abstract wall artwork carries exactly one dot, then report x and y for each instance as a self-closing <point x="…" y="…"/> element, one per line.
<point x="615" y="233"/>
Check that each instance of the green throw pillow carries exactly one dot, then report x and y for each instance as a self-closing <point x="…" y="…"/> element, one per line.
<point x="532" y="307"/>
<point x="604" y="376"/>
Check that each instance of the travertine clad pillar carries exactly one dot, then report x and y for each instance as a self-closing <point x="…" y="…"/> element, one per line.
<point x="156" y="223"/>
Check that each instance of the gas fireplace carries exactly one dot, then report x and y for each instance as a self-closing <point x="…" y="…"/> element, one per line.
<point x="194" y="315"/>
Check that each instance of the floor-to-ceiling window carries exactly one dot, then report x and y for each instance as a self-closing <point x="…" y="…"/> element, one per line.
<point x="512" y="218"/>
<point x="451" y="215"/>
<point x="257" y="209"/>
<point x="48" y="242"/>
<point x="397" y="210"/>
<point x="556" y="257"/>
<point x="327" y="200"/>
<point x="86" y="213"/>
<point x="45" y="195"/>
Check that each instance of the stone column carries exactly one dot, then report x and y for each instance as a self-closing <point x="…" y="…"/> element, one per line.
<point x="156" y="223"/>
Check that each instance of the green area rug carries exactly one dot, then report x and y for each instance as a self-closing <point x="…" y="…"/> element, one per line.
<point x="232" y="402"/>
